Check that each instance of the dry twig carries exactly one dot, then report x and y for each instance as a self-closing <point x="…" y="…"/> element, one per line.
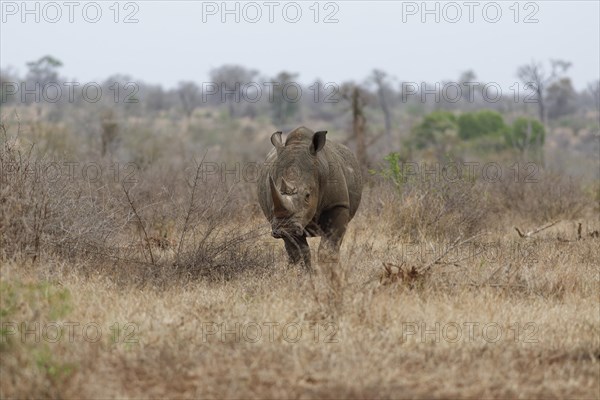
<point x="190" y="210"/>
<point x="141" y="223"/>
<point x="533" y="232"/>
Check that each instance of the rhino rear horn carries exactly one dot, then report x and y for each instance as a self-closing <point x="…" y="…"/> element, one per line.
<point x="318" y="141"/>
<point x="279" y="203"/>
<point x="286" y="187"/>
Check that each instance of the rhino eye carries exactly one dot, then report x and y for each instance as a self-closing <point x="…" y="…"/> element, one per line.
<point x="307" y="196"/>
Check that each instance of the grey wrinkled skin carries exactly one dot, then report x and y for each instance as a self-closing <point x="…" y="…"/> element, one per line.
<point x="309" y="186"/>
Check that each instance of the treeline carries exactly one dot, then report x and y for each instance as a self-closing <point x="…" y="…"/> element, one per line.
<point x="135" y="121"/>
<point x="242" y="92"/>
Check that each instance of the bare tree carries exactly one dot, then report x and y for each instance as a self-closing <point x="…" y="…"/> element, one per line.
<point x="188" y="95"/>
<point x="535" y="77"/>
<point x="155" y="98"/>
<point x="560" y="98"/>
<point x="470" y="89"/>
<point x="384" y="96"/>
<point x="593" y="89"/>
<point x="110" y="130"/>
<point x="7" y="78"/>
<point x="230" y="81"/>
<point x="358" y="98"/>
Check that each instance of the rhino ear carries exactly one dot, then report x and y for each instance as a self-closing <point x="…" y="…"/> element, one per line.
<point x="318" y="141"/>
<point x="276" y="140"/>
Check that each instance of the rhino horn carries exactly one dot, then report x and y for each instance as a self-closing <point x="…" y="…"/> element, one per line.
<point x="279" y="203"/>
<point x="286" y="187"/>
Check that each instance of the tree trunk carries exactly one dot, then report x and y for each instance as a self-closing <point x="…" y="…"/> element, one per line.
<point x="388" y="122"/>
<point x="541" y="106"/>
<point x="358" y="126"/>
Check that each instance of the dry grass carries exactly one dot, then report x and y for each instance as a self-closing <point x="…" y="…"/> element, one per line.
<point x="187" y="272"/>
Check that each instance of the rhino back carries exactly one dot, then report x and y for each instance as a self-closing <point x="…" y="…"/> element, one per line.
<point x="344" y="176"/>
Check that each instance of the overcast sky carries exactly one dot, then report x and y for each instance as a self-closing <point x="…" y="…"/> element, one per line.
<point x="174" y="41"/>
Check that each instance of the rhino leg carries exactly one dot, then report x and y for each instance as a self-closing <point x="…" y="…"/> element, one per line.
<point x="298" y="250"/>
<point x="333" y="224"/>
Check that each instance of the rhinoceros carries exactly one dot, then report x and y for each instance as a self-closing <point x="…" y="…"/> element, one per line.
<point x="309" y="187"/>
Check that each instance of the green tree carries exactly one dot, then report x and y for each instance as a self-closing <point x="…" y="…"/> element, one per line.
<point x="285" y="97"/>
<point x="525" y="134"/>
<point x="479" y="124"/>
<point x="438" y="129"/>
<point x="41" y="73"/>
<point x="44" y="70"/>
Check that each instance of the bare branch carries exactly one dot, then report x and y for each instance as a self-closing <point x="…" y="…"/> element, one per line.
<point x="533" y="232"/>
<point x="455" y="244"/>
<point x="190" y="209"/>
<point x="141" y="223"/>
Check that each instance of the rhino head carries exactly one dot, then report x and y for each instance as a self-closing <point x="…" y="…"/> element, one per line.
<point x="294" y="184"/>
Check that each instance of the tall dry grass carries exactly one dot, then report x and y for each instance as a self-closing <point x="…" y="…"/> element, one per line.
<point x="192" y="297"/>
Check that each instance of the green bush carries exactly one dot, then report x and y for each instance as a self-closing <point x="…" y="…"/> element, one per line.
<point x="438" y="127"/>
<point x="482" y="123"/>
<point x="525" y="133"/>
<point x="392" y="171"/>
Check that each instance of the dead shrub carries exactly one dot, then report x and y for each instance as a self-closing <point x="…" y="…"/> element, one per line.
<point x="541" y="198"/>
<point x="45" y="209"/>
<point x="168" y="224"/>
<point x="438" y="210"/>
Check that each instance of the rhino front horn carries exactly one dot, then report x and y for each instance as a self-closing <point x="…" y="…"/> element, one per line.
<point x="280" y="205"/>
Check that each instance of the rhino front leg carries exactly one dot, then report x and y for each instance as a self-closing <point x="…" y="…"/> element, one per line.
<point x="298" y="250"/>
<point x="333" y="224"/>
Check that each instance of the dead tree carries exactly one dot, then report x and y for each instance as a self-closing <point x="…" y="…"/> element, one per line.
<point x="110" y="129"/>
<point x="379" y="78"/>
<point x="535" y="78"/>
<point x="358" y="99"/>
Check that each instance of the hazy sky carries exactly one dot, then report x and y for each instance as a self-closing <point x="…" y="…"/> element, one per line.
<point x="183" y="40"/>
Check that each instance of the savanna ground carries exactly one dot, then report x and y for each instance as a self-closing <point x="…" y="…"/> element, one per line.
<point x="167" y="283"/>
